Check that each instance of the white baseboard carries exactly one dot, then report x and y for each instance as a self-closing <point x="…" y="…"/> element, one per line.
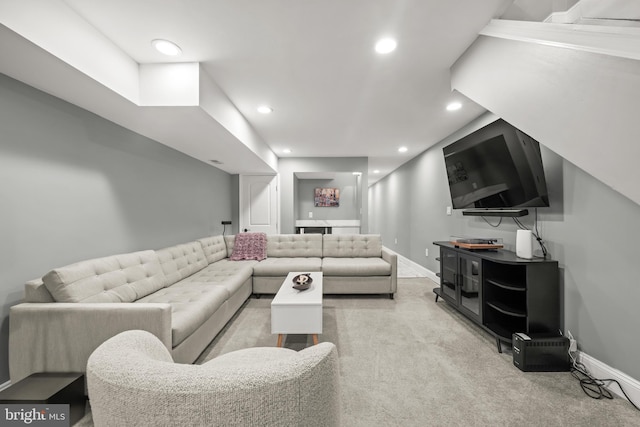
<point x="430" y="274"/>
<point x="5" y="385"/>
<point x="416" y="267"/>
<point x="601" y="370"/>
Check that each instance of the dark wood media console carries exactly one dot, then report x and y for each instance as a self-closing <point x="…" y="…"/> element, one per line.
<point x="500" y="292"/>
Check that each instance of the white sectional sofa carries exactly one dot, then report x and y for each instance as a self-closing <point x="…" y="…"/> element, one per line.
<point x="183" y="294"/>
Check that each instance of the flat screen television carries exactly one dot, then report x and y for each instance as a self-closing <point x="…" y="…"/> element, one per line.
<point x="496" y="167"/>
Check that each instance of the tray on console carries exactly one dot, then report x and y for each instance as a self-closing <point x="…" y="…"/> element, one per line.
<point x="477" y="246"/>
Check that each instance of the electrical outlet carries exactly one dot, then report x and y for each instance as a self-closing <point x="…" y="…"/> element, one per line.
<point x="310" y="214"/>
<point x="396" y="241"/>
<point x="448" y="210"/>
<point x="426" y="252"/>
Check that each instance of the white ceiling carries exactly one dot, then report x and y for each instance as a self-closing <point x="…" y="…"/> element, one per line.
<point x="311" y="60"/>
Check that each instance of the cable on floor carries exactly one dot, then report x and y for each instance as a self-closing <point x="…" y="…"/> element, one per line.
<point x="595" y="388"/>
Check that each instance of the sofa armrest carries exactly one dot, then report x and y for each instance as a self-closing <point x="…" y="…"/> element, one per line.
<point x="392" y="259"/>
<point x="60" y="337"/>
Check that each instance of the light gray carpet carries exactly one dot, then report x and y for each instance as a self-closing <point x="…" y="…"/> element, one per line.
<point x="414" y="362"/>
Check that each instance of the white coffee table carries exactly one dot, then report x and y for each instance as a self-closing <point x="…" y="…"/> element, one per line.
<point x="297" y="312"/>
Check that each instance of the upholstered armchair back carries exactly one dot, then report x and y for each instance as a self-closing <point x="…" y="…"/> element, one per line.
<point x="132" y="380"/>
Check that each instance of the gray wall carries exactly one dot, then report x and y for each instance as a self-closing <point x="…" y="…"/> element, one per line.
<point x="287" y="167"/>
<point x="589" y="228"/>
<point x="350" y="192"/>
<point x="74" y="186"/>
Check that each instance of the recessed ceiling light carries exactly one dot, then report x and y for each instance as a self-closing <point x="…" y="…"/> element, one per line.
<point x="265" y="109"/>
<point x="166" y="47"/>
<point x="403" y="149"/>
<point x="453" y="106"/>
<point x="376" y="171"/>
<point x="286" y="151"/>
<point x="386" y="45"/>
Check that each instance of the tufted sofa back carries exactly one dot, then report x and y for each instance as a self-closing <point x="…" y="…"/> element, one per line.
<point x="352" y="245"/>
<point x="294" y="245"/>
<point x="214" y="248"/>
<point x="116" y="278"/>
<point x="181" y="261"/>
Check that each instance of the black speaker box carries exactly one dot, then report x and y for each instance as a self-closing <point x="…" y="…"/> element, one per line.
<point x="541" y="353"/>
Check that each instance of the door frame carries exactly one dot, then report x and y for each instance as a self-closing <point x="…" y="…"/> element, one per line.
<point x="241" y="225"/>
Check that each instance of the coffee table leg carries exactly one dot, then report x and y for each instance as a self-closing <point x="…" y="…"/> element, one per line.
<point x="280" y="340"/>
<point x="315" y="339"/>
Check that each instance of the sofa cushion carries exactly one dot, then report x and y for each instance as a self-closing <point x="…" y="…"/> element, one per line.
<point x="352" y="245"/>
<point x="355" y="267"/>
<point x="283" y="266"/>
<point x="191" y="304"/>
<point x="181" y="261"/>
<point x="214" y="248"/>
<point x="116" y="278"/>
<point x="294" y="245"/>
<point x="249" y="246"/>
<point x="230" y="274"/>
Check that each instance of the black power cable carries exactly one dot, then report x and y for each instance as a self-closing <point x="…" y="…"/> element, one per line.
<point x="595" y="388"/>
<point x="494" y="226"/>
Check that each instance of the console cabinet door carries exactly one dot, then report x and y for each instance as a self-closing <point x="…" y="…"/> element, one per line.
<point x="461" y="282"/>
<point x="449" y="275"/>
<point x="470" y="285"/>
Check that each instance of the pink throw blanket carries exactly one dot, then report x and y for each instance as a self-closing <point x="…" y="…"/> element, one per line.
<point x="250" y="246"/>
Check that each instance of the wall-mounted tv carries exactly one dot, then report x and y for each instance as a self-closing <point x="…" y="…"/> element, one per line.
<point x="496" y="167"/>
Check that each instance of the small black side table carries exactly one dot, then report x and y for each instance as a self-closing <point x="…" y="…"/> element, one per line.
<point x="50" y="388"/>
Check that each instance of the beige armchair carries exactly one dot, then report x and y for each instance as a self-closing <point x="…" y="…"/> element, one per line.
<point x="133" y="381"/>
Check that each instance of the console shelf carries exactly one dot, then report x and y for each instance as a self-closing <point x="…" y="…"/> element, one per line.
<point x="504" y="309"/>
<point x="509" y="294"/>
<point x="508" y="286"/>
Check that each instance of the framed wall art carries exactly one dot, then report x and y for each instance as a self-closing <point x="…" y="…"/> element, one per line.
<point x="326" y="197"/>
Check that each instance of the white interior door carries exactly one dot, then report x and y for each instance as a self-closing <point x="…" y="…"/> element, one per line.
<point x="259" y="203"/>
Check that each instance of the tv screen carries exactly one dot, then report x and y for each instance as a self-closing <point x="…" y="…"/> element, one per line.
<point x="496" y="167"/>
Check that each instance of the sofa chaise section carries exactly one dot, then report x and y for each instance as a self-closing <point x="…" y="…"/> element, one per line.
<point x="351" y="264"/>
<point x="358" y="264"/>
